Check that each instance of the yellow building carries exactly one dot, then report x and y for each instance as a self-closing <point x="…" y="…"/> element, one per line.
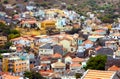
<point x="48" y="23"/>
<point x="14" y="64"/>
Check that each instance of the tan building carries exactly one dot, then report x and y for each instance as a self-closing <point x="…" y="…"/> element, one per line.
<point x="14" y="64"/>
<point x="3" y="39"/>
<point x="58" y="66"/>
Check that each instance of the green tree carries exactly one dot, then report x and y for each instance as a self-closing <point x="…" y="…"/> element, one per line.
<point x="78" y="75"/>
<point x="7" y="45"/>
<point x="28" y="74"/>
<point x="107" y="18"/>
<point x="14" y="32"/>
<point x="4" y="29"/>
<point x="97" y="62"/>
<point x="70" y="7"/>
<point x="8" y="31"/>
<point x="5" y="1"/>
<point x="44" y="4"/>
<point x="11" y="36"/>
<point x="1" y="56"/>
<point x="33" y="75"/>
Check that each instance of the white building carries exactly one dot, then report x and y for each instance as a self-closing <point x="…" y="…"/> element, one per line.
<point x="46" y="51"/>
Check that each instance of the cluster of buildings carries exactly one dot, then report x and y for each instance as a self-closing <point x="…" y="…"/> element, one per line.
<point x="39" y="18"/>
<point x="60" y="55"/>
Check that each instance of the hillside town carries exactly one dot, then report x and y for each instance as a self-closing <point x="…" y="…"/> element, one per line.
<point x="53" y="43"/>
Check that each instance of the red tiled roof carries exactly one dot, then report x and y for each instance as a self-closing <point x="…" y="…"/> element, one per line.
<point x="98" y="48"/>
<point x="57" y="55"/>
<point x="99" y="30"/>
<point x="23" y="38"/>
<point x="72" y="55"/>
<point x="19" y="45"/>
<point x="2" y="73"/>
<point x="75" y="65"/>
<point x="30" y="21"/>
<point x="46" y="73"/>
<point x="77" y="59"/>
<point x="45" y="57"/>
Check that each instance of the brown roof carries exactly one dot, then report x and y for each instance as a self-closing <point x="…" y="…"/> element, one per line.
<point x="46" y="73"/>
<point x="44" y="58"/>
<point x="19" y="45"/>
<point x="114" y="68"/>
<point x="10" y="77"/>
<point x="72" y="55"/>
<point x="57" y="55"/>
<point x="98" y="74"/>
<point x="97" y="48"/>
<point x="30" y="21"/>
<point x="77" y="59"/>
<point x="88" y="42"/>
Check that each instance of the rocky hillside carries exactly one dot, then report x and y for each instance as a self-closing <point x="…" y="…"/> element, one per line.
<point x="78" y="5"/>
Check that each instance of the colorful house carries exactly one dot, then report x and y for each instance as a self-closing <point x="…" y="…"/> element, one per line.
<point x="58" y="66"/>
<point x="12" y="63"/>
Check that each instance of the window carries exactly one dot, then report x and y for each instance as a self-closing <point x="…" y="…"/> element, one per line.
<point x="71" y="49"/>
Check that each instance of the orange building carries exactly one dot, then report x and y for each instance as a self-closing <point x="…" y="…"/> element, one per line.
<point x="14" y="64"/>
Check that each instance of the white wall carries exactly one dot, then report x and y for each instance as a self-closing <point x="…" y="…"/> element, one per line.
<point x="46" y="52"/>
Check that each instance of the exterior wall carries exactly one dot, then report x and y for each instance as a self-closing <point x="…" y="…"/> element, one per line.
<point x="38" y="24"/>
<point x="80" y="42"/>
<point x="81" y="49"/>
<point x="20" y="66"/>
<point x="72" y="49"/>
<point x="111" y="45"/>
<point x="46" y="52"/>
<point x="5" y="65"/>
<point x="66" y="44"/>
<point x="45" y="62"/>
<point x="44" y="25"/>
<point x="68" y="59"/>
<point x="3" y="39"/>
<point x="88" y="46"/>
<point x="68" y="77"/>
<point x="59" y="69"/>
<point x="76" y="69"/>
<point x="15" y="65"/>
